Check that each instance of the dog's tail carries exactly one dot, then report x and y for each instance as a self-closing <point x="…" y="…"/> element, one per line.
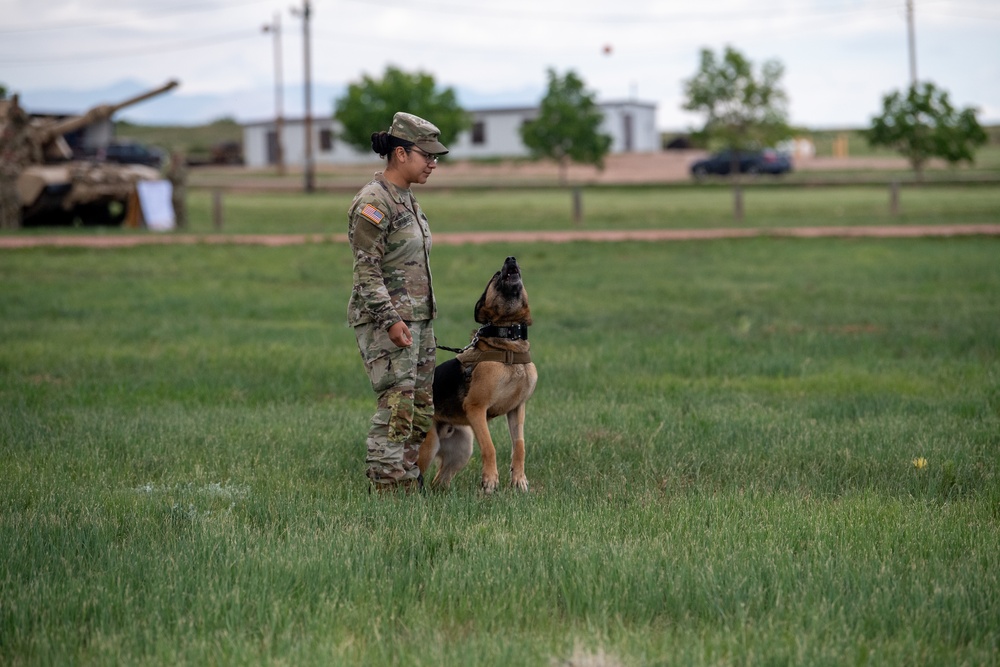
<point x="451" y="446"/>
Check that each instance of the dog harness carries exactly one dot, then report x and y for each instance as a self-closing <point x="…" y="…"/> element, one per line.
<point x="470" y="355"/>
<point x="508" y="357"/>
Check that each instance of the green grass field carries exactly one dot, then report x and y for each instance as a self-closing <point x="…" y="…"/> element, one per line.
<point x="721" y="451"/>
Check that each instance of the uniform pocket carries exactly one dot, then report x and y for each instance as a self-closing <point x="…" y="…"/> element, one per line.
<point x="381" y="371"/>
<point x="403" y="221"/>
<point x="377" y="353"/>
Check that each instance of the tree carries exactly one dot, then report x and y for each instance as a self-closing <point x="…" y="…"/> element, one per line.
<point x="370" y="105"/>
<point x="742" y="110"/>
<point x="923" y="125"/>
<point x="567" y="127"/>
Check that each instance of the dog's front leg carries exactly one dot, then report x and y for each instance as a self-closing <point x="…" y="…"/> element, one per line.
<point x="491" y="477"/>
<point x="515" y="424"/>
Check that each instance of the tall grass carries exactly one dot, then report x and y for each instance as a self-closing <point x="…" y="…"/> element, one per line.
<point x="720" y="450"/>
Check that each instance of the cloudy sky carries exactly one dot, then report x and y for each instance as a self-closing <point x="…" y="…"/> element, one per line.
<point x="840" y="56"/>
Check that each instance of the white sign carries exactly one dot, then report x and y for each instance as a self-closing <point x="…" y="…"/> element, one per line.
<point x="157" y="208"/>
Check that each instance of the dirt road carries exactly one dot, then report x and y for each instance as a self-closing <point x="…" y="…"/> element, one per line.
<point x="619" y="169"/>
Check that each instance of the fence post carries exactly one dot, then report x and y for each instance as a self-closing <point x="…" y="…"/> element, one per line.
<point x="894" y="198"/>
<point x="577" y="206"/>
<point x="217" y="209"/>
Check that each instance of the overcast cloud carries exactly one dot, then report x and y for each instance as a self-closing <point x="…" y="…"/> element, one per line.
<point x="840" y="56"/>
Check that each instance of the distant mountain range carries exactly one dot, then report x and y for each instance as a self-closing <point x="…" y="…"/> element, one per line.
<point x="179" y="108"/>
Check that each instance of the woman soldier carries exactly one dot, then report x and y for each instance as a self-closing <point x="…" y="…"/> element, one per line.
<point x="392" y="303"/>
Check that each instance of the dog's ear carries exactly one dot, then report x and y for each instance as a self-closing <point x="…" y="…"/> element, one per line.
<point x="478" y="314"/>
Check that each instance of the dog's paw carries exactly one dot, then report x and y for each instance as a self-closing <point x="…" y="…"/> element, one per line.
<point x="490" y="484"/>
<point x="520" y="483"/>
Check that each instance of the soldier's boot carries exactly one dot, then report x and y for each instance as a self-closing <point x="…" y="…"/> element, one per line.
<point x="405" y="486"/>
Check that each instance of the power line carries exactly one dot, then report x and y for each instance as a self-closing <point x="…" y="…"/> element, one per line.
<point x="145" y="50"/>
<point x="968" y="16"/>
<point x="173" y="10"/>
<point x="505" y="12"/>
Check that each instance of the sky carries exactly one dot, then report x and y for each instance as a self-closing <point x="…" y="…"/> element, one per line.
<point x="840" y="57"/>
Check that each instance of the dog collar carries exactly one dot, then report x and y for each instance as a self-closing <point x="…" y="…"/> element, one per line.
<point x="512" y="332"/>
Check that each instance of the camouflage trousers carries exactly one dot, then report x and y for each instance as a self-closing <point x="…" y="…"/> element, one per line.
<point x="178" y="198"/>
<point x="403" y="380"/>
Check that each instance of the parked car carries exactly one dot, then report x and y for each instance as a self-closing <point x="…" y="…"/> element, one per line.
<point x="131" y="152"/>
<point x="767" y="161"/>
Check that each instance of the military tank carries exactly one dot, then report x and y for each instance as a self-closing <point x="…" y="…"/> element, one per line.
<point x="58" y="188"/>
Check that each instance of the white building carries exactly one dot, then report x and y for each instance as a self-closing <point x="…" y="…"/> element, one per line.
<point x="494" y="133"/>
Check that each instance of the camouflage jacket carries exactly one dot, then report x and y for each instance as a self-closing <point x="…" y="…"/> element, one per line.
<point x="391" y="242"/>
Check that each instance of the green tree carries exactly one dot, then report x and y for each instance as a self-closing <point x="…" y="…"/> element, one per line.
<point x="369" y="105"/>
<point x="567" y="127"/>
<point x="923" y="124"/>
<point x="743" y="110"/>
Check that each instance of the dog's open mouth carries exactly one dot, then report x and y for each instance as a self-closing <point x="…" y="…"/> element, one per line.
<point x="510" y="272"/>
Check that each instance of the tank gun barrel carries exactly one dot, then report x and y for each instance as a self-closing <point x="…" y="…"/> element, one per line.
<point x="100" y="112"/>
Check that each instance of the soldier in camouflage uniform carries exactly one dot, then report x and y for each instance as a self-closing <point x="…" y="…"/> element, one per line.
<point x="392" y="303"/>
<point x="16" y="152"/>
<point x="177" y="173"/>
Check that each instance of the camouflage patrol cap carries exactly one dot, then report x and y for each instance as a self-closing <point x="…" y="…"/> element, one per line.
<point x="422" y="133"/>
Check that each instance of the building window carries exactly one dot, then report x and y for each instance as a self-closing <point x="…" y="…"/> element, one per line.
<point x="479" y="132"/>
<point x="326" y="140"/>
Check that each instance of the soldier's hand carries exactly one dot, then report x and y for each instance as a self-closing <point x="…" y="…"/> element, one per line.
<point x="399" y="334"/>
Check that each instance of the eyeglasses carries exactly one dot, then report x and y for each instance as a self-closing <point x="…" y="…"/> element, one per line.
<point x="431" y="159"/>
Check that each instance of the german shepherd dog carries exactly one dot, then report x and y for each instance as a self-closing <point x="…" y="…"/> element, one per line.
<point x="493" y="376"/>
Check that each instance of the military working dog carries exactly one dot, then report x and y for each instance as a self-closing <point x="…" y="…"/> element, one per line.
<point x="493" y="376"/>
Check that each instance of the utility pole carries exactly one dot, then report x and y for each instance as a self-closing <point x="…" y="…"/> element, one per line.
<point x="279" y="121"/>
<point x="310" y="180"/>
<point x="911" y="33"/>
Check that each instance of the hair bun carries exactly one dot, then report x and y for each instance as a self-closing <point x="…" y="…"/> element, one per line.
<point x="380" y="143"/>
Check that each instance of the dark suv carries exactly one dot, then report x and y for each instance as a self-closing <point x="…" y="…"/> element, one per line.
<point x="767" y="161"/>
<point x="130" y="152"/>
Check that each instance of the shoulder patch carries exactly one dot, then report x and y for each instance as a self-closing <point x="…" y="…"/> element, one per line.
<point x="374" y="215"/>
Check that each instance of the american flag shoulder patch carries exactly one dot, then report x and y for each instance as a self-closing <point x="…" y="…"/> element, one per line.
<point x="373" y="214"/>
